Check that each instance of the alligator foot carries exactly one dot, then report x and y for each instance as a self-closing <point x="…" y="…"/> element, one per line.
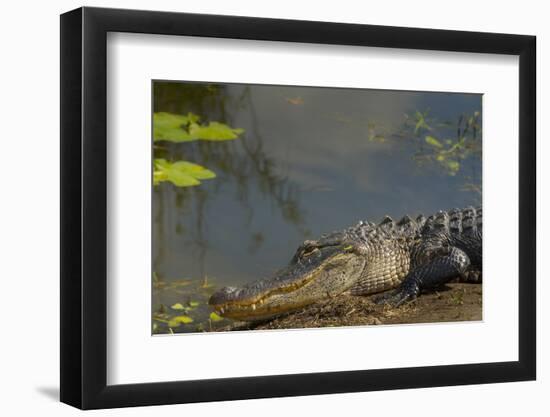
<point x="453" y="262"/>
<point x="471" y="276"/>
<point x="399" y="296"/>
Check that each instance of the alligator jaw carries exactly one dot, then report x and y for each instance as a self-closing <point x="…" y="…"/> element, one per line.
<point x="324" y="273"/>
<point x="243" y="304"/>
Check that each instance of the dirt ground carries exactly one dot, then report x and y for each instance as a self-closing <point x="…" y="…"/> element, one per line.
<point x="454" y="302"/>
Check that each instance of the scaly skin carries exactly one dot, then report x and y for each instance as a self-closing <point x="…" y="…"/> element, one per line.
<point x="406" y="257"/>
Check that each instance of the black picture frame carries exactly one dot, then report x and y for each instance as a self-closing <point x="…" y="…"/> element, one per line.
<point x="84" y="207"/>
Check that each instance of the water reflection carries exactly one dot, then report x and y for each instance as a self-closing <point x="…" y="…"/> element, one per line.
<point x="311" y="160"/>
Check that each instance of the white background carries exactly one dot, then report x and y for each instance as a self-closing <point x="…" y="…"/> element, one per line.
<point x="133" y="60"/>
<point x="29" y="213"/>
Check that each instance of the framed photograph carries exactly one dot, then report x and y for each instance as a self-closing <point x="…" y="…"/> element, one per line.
<point x="257" y="208"/>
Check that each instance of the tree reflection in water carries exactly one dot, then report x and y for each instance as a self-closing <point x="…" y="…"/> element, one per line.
<point x="242" y="162"/>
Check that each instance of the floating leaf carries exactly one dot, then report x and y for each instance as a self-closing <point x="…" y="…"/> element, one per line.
<point x="177" y="306"/>
<point x="420" y="122"/>
<point x="170" y="127"/>
<point x="453" y="166"/>
<point x="159" y="176"/>
<point x="194" y="303"/>
<point x="193" y="118"/>
<point x="169" y="120"/>
<point x="181" y="179"/>
<point x="433" y="141"/>
<point x="215" y="317"/>
<point x="178" y="128"/>
<point x="214" y="131"/>
<point x="196" y="171"/>
<point x="180" y="173"/>
<point x="179" y="320"/>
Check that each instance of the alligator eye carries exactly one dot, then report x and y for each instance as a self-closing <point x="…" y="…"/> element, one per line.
<point x="309" y="251"/>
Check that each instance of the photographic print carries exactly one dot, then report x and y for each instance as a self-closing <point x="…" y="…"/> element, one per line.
<point x="307" y="203"/>
<point x="289" y="207"/>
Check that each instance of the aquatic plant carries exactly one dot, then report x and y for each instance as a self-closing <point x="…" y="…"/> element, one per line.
<point x="180" y="173"/>
<point x="186" y="128"/>
<point x="448" y="152"/>
<point x="179" y="128"/>
<point x="181" y="306"/>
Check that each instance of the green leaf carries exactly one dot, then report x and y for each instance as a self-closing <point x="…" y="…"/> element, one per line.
<point x="196" y="171"/>
<point x="215" y="317"/>
<point x="159" y="176"/>
<point x="178" y="128"/>
<point x="194" y="303"/>
<point x="180" y="173"/>
<point x="453" y="166"/>
<point x="214" y="131"/>
<point x="433" y="141"/>
<point x="193" y="118"/>
<point x="181" y="179"/>
<point x="169" y="120"/>
<point x="179" y="320"/>
<point x="171" y="127"/>
<point x="161" y="163"/>
<point x="177" y="306"/>
<point x="420" y="122"/>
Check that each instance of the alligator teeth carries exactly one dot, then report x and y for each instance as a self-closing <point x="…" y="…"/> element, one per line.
<point x="253" y="306"/>
<point x="221" y="310"/>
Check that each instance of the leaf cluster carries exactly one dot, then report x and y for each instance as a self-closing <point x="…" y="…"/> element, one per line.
<point x="179" y="128"/>
<point x="186" y="128"/>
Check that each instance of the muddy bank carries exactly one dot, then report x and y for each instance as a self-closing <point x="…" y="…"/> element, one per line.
<point x="454" y="302"/>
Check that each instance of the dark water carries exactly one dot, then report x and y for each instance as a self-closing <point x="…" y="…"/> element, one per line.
<point x="311" y="160"/>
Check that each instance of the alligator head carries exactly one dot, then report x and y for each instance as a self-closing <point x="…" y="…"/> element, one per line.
<point x="319" y="270"/>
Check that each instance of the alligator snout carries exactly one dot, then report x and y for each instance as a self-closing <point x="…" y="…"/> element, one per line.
<point x="224" y="295"/>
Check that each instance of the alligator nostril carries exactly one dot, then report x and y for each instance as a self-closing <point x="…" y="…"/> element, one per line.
<point x="223" y="295"/>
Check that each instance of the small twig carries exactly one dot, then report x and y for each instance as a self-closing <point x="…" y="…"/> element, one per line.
<point x="350" y="312"/>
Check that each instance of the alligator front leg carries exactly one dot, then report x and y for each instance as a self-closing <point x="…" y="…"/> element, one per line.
<point x="472" y="276"/>
<point x="451" y="263"/>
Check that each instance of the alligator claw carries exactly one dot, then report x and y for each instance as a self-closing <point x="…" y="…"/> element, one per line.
<point x="396" y="298"/>
<point x="401" y="298"/>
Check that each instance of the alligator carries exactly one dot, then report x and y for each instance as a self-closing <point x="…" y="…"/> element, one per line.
<point x="400" y="258"/>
